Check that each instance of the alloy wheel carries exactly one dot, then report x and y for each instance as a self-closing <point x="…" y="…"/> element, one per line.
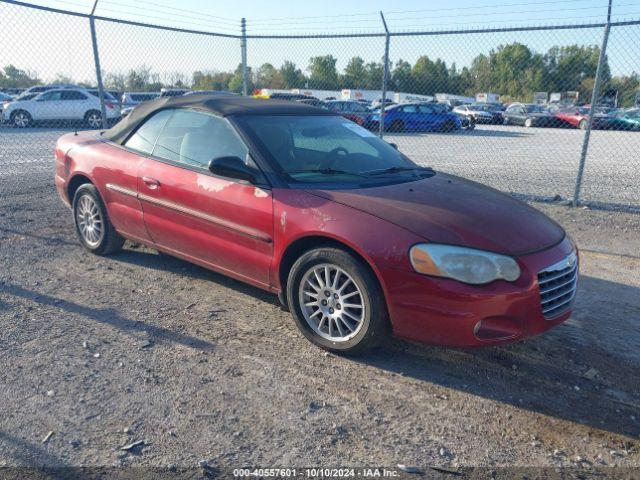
<point x="21" y="119"/>
<point x="89" y="219"/>
<point x="94" y="120"/>
<point x="331" y="302"/>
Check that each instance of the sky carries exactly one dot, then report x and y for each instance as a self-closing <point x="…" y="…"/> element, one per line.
<point x="62" y="44"/>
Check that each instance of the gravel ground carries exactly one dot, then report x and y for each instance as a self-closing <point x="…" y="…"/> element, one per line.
<point x="537" y="162"/>
<point x="104" y="352"/>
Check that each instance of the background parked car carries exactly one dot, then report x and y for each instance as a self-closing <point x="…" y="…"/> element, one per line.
<point x="4" y="98"/>
<point x="131" y="99"/>
<point x="418" y="117"/>
<point x="630" y="119"/>
<point x="221" y="92"/>
<point x="494" y="109"/>
<point x="478" y="115"/>
<point x="351" y="109"/>
<point x="52" y="86"/>
<point x="530" y="115"/>
<point x="173" y="92"/>
<point x="602" y="120"/>
<point x="314" y="102"/>
<point x="54" y="105"/>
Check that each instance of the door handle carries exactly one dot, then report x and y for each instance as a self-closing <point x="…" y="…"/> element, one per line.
<point x="152" y="183"/>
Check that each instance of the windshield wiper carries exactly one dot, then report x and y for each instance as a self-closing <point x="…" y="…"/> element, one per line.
<point x="326" y="171"/>
<point x="397" y="169"/>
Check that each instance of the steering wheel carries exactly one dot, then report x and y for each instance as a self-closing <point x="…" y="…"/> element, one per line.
<point x="330" y="158"/>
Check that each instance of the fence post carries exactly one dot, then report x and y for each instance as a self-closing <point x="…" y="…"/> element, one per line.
<point x="385" y="75"/>
<point x="594" y="99"/>
<point x="243" y="48"/>
<point x="96" y="59"/>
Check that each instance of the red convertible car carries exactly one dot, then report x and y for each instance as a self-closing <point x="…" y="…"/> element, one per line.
<point x="357" y="240"/>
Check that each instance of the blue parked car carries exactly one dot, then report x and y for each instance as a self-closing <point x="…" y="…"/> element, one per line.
<point x="418" y="117"/>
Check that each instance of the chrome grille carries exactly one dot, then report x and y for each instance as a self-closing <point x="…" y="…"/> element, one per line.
<point x="558" y="286"/>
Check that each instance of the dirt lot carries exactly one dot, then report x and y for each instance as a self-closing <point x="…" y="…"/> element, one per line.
<point x="104" y="352"/>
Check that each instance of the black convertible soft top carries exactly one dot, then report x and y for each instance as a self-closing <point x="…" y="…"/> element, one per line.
<point x="223" y="105"/>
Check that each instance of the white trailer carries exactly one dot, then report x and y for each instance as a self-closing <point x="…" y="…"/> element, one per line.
<point x="319" y="94"/>
<point x="453" y="100"/>
<point x="401" y="97"/>
<point x="487" y="98"/>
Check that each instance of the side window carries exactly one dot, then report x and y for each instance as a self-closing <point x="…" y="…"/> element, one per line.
<point x="51" y="96"/>
<point x="73" y="95"/>
<point x="410" y="109"/>
<point x="426" y="109"/>
<point x="146" y="135"/>
<point x="195" y="138"/>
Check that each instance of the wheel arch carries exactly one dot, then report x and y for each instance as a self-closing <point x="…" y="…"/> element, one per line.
<point x="308" y="242"/>
<point x="75" y="182"/>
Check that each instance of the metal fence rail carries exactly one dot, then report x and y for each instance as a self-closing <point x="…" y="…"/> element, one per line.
<point x="579" y="156"/>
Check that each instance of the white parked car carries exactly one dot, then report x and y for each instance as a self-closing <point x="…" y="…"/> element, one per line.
<point x="59" y="104"/>
<point x="131" y="99"/>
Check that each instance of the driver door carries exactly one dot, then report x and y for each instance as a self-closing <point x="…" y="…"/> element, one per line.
<point x="222" y="223"/>
<point x="49" y="106"/>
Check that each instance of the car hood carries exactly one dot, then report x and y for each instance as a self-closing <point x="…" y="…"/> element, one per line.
<point x="451" y="210"/>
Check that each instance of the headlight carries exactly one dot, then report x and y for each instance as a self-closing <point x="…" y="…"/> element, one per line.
<point x="463" y="264"/>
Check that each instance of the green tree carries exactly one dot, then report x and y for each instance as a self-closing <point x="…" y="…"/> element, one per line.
<point x="13" y="77"/>
<point x="430" y="77"/>
<point x="628" y="86"/>
<point x="292" y="77"/>
<point x="569" y="66"/>
<point x="323" y="73"/>
<point x="211" y="80"/>
<point x="401" y="77"/>
<point x="355" y="74"/>
<point x="374" y="72"/>
<point x="235" y="83"/>
<point x="268" y="76"/>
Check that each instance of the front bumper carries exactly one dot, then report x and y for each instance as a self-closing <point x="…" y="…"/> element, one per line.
<point x="449" y="313"/>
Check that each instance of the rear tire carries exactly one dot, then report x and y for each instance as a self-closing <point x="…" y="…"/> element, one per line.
<point x="93" y="119"/>
<point x="95" y="231"/>
<point x="528" y="123"/>
<point x="21" y="119"/>
<point x="396" y="126"/>
<point x="344" y="314"/>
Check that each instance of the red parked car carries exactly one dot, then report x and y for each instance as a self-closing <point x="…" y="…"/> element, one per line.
<point x="357" y="240"/>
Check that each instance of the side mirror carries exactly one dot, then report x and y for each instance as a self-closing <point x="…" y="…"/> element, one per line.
<point x="231" y="167"/>
<point x="393" y="145"/>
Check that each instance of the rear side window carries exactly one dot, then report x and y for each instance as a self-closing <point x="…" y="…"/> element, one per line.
<point x="195" y="138"/>
<point x="144" y="139"/>
<point x="73" y="95"/>
<point x="410" y="109"/>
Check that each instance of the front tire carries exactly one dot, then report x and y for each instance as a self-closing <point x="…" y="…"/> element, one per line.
<point x="21" y="119"/>
<point x="528" y="123"/>
<point x="396" y="126"/>
<point x="336" y="301"/>
<point x="92" y="223"/>
<point x="450" y="126"/>
<point x="583" y="125"/>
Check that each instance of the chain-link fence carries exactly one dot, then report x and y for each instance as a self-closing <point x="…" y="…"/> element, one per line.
<point x="544" y="112"/>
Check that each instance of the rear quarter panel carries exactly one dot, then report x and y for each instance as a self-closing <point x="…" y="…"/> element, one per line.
<point x="105" y="165"/>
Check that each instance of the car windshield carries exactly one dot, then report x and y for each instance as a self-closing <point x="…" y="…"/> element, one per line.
<point x="329" y="149"/>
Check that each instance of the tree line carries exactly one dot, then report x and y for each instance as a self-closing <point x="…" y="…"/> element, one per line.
<point x="513" y="70"/>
